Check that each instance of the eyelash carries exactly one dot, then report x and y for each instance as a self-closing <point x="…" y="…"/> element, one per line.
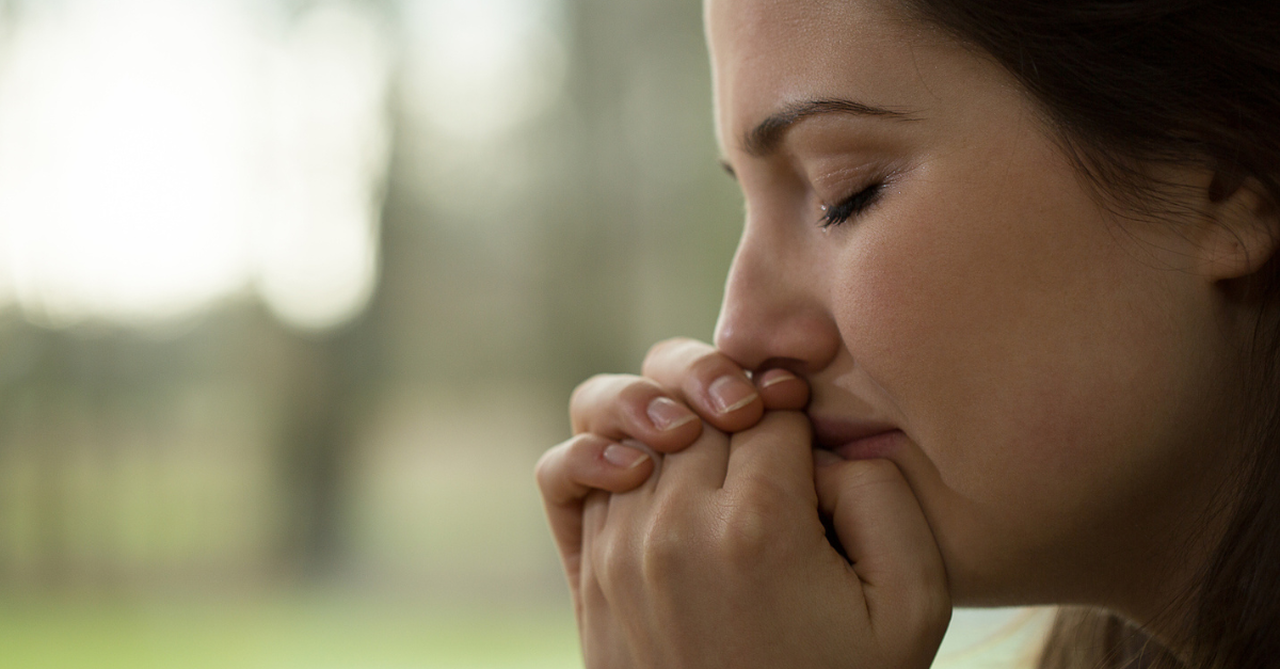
<point x="851" y="206"/>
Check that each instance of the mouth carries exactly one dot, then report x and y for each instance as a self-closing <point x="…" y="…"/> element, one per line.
<point x="855" y="440"/>
<point x="852" y="440"/>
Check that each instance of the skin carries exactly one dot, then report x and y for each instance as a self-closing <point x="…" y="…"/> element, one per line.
<point x="988" y="305"/>
<point x="1061" y="372"/>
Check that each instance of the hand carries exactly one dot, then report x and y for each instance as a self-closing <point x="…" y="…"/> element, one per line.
<point x="679" y="375"/>
<point x="720" y="560"/>
<point x="622" y="421"/>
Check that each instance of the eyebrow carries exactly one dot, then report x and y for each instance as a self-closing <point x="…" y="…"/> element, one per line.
<point x="765" y="138"/>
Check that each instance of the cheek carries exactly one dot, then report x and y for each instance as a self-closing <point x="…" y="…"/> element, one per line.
<point x="1018" y="341"/>
<point x="1028" y="355"/>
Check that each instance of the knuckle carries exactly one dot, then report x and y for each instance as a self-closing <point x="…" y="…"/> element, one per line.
<point x="542" y="473"/>
<point x="745" y="540"/>
<point x="593" y="395"/>
<point x="666" y="544"/>
<point x="638" y="391"/>
<point x="929" y="616"/>
<point x="547" y="469"/>
<point x="671" y="356"/>
<point x="937" y="609"/>
<point x="560" y="461"/>
<point x="666" y="347"/>
<point x="584" y="390"/>
<point x="613" y="559"/>
<point x="711" y="364"/>
<point x="745" y="534"/>
<point x="932" y="600"/>
<point x="663" y="549"/>
<point x="605" y="561"/>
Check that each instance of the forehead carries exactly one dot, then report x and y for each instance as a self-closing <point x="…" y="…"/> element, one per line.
<point x="769" y="53"/>
<point x="783" y="26"/>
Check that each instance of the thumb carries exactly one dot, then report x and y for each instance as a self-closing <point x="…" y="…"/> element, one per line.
<point x="879" y="521"/>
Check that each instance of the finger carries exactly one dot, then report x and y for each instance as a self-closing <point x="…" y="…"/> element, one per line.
<point x="883" y="529"/>
<point x="700" y="466"/>
<point x="781" y="390"/>
<point x="621" y="406"/>
<point x="707" y="381"/>
<point x="584" y="582"/>
<point x="570" y="471"/>
<point x="605" y="586"/>
<point x="776" y="453"/>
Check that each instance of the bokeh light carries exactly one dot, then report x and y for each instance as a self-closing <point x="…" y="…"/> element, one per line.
<point x="157" y="157"/>
<point x="479" y="68"/>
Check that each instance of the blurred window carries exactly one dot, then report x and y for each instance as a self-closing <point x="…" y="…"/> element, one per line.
<point x="157" y="157"/>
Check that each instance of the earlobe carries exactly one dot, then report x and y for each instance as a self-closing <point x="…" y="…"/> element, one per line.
<point x="1242" y="228"/>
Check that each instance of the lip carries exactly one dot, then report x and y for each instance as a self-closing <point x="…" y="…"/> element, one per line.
<point x="854" y="440"/>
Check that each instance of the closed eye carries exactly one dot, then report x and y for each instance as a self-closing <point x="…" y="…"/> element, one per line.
<point x="851" y="206"/>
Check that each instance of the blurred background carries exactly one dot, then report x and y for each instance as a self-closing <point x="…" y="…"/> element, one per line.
<point x="292" y="296"/>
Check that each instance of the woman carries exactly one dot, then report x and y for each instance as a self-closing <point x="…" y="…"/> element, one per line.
<point x="1002" y="317"/>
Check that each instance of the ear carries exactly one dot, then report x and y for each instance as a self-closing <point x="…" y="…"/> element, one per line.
<point x="1241" y="227"/>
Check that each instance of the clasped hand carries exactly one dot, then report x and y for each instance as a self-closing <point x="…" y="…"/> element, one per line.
<point x="712" y="552"/>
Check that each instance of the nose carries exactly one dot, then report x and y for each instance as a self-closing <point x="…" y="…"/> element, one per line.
<point x="776" y="310"/>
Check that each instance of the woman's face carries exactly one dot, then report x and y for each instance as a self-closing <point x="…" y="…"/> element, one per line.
<point x="917" y="245"/>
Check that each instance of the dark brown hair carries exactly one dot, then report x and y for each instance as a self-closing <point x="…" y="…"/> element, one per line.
<point x="1128" y="83"/>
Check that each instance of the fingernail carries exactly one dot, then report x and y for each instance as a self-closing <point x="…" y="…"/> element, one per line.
<point x="775" y="375"/>
<point x="624" y="456"/>
<point x="730" y="393"/>
<point x="668" y="414"/>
